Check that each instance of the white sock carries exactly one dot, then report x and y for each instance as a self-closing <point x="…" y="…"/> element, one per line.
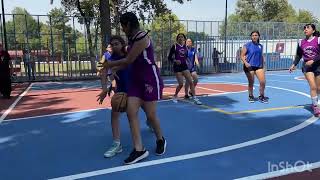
<point x="314" y="100"/>
<point x="116" y="142"/>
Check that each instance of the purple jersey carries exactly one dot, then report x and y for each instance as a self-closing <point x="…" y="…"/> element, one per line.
<point x="181" y="53"/>
<point x="310" y="48"/>
<point x="146" y="82"/>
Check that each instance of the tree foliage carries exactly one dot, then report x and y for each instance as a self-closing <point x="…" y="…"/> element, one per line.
<point x="273" y="18"/>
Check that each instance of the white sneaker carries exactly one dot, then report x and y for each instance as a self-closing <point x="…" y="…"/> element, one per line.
<point x="197" y="101"/>
<point x="175" y="99"/>
<point x="113" y="150"/>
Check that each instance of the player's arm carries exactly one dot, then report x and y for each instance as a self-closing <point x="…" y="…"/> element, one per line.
<point x="171" y="53"/>
<point x="196" y="60"/>
<point x="296" y="59"/>
<point x="104" y="80"/>
<point x="243" y="55"/>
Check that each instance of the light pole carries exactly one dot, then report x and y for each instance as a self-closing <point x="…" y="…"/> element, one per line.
<point x="4" y="27"/>
<point x="225" y="31"/>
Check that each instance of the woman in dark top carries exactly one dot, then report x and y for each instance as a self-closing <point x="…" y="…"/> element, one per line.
<point x="6" y="71"/>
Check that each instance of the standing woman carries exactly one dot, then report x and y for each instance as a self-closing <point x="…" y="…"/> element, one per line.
<point x="6" y="71"/>
<point x="309" y="50"/>
<point x="178" y="55"/>
<point x="117" y="45"/>
<point x="192" y="61"/>
<point x="253" y="64"/>
<point x="145" y="87"/>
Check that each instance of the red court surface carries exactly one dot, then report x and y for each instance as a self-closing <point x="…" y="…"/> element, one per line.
<point x="46" y="102"/>
<point x="17" y="89"/>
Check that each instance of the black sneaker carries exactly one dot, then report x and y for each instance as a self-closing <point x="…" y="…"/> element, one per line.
<point x="251" y="99"/>
<point x="161" y="146"/>
<point x="263" y="99"/>
<point x="186" y="96"/>
<point x="136" y="156"/>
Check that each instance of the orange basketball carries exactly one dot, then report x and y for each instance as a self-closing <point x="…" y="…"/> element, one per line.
<point x="119" y="102"/>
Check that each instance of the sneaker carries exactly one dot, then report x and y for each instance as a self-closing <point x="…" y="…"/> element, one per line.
<point x="197" y="101"/>
<point x="113" y="150"/>
<point x="316" y="110"/>
<point x="161" y="146"/>
<point x="175" y="99"/>
<point x="251" y="99"/>
<point x="136" y="156"/>
<point x="263" y="99"/>
<point x="186" y="96"/>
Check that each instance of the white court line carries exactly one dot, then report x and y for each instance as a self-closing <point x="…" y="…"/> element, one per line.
<point x="286" y="75"/>
<point x="219" y="94"/>
<point x="65" y="113"/>
<point x="283" y="172"/>
<point x="210" y="89"/>
<point x="191" y="156"/>
<point x="55" y="114"/>
<point x="198" y="154"/>
<point x="13" y="105"/>
<point x="298" y="78"/>
<point x="96" y="109"/>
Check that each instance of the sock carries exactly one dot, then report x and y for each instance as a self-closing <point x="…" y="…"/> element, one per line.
<point x="117" y="142"/>
<point x="314" y="100"/>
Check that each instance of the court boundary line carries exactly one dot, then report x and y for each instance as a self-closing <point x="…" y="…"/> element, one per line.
<point x="97" y="109"/>
<point x="246" y="111"/>
<point x="297" y="78"/>
<point x="293" y="129"/>
<point x="64" y="113"/>
<point x="209" y="89"/>
<point x="192" y="155"/>
<point x="13" y="105"/>
<point x="55" y="114"/>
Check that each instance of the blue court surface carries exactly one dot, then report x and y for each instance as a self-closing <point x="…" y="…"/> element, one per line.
<point x="226" y="138"/>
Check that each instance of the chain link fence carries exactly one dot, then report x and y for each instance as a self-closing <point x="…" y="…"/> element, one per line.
<point x="64" y="48"/>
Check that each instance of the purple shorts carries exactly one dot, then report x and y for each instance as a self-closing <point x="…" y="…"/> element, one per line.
<point x="148" y="87"/>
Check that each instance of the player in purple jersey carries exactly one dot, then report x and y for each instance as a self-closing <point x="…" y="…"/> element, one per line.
<point x="178" y="55"/>
<point x="145" y="87"/>
<point x="309" y="50"/>
<point x="253" y="64"/>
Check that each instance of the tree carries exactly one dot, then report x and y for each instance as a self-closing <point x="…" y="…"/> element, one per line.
<point x="111" y="10"/>
<point x="164" y="30"/>
<point x="24" y="30"/>
<point x="273" y="18"/>
<point x="305" y="16"/>
<point x="197" y="36"/>
<point x="64" y="37"/>
<point x="89" y="14"/>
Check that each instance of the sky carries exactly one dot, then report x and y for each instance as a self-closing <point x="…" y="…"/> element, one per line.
<point x="209" y="10"/>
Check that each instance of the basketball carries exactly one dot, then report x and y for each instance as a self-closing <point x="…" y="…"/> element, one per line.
<point x="119" y="102"/>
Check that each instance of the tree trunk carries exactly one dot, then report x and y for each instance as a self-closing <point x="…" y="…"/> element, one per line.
<point x="91" y="53"/>
<point x="105" y="23"/>
<point x="96" y="29"/>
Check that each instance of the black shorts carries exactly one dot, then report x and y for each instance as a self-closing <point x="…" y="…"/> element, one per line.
<point x="180" y="67"/>
<point x="252" y="68"/>
<point x="315" y="68"/>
